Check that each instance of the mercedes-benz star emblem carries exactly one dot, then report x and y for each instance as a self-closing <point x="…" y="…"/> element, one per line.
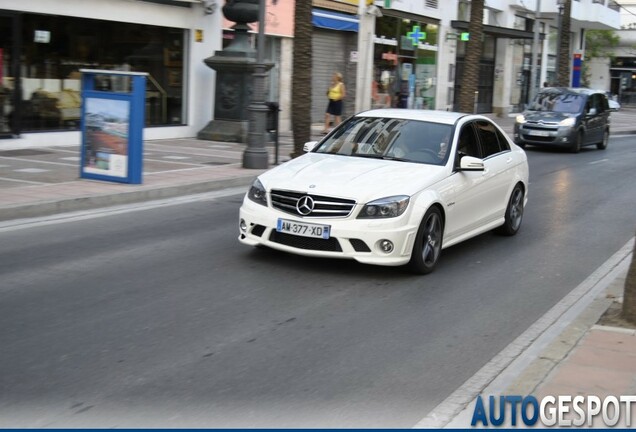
<point x="305" y="205"/>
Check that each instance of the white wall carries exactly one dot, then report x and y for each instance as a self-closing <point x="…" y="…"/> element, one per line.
<point x="599" y="69"/>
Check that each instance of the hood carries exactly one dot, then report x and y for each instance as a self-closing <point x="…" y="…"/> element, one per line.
<point x="546" y="116"/>
<point x="351" y="177"/>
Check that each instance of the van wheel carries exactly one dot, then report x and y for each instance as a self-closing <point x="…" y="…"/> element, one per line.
<point x="603" y="144"/>
<point x="578" y="142"/>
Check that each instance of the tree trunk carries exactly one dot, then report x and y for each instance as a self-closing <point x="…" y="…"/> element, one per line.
<point x="301" y="76"/>
<point x="563" y="62"/>
<point x="629" y="292"/>
<point x="470" y="74"/>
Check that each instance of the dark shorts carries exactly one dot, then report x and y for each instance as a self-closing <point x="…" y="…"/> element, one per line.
<point x="334" y="107"/>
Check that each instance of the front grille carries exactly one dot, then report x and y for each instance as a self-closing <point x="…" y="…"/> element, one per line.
<point x="547" y="127"/>
<point x="538" y="138"/>
<point x="323" y="206"/>
<point x="327" y="245"/>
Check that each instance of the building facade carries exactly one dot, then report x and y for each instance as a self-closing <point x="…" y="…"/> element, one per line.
<point x="44" y="44"/>
<point x="410" y="54"/>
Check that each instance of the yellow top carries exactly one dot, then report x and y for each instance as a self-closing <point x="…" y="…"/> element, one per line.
<point x="335" y="92"/>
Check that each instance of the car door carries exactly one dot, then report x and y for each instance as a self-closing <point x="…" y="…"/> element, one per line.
<point x="498" y="169"/>
<point x="593" y="117"/>
<point x="465" y="210"/>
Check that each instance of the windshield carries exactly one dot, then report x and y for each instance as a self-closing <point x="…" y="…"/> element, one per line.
<point x="557" y="102"/>
<point x="388" y="138"/>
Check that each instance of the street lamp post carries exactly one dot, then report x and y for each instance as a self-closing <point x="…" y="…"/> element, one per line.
<point x="255" y="155"/>
<point x="535" y="53"/>
<point x="560" y="5"/>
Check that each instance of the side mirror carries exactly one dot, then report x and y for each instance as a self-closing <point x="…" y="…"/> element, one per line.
<point x="309" y="146"/>
<point x="470" y="163"/>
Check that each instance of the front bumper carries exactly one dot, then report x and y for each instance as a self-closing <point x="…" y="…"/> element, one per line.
<point x="350" y="238"/>
<point x="544" y="134"/>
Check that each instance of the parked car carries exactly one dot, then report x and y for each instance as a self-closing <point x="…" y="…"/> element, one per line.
<point x="391" y="187"/>
<point x="613" y="103"/>
<point x="565" y="117"/>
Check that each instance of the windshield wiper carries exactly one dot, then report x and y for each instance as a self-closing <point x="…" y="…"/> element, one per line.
<point x="379" y="156"/>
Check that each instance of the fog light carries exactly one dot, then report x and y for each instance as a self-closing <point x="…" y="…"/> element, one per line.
<point x="243" y="225"/>
<point x="386" y="246"/>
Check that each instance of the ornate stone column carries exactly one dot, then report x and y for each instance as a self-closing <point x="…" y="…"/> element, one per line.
<point x="234" y="66"/>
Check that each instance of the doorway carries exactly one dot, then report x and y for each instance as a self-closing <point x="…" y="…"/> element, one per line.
<point x="9" y="75"/>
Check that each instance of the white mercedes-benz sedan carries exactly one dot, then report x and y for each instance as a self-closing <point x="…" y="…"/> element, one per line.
<point x="391" y="187"/>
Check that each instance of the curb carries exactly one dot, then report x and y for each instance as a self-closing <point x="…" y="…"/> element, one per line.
<point x="88" y="202"/>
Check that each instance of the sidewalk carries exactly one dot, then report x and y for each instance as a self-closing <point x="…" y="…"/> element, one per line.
<point x="583" y="359"/>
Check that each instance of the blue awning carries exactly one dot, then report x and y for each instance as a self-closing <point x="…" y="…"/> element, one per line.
<point x="334" y="20"/>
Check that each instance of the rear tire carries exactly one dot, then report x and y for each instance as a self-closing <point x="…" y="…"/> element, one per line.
<point x="603" y="144"/>
<point x="428" y="243"/>
<point x="514" y="213"/>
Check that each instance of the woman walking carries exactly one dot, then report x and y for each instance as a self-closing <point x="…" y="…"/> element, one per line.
<point x="336" y="94"/>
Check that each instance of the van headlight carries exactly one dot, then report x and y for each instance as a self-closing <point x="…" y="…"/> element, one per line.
<point x="388" y="207"/>
<point x="257" y="193"/>
<point x="568" y="122"/>
<point x="520" y="119"/>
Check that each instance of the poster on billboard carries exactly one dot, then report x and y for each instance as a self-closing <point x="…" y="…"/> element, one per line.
<point x="106" y="137"/>
<point x="112" y="126"/>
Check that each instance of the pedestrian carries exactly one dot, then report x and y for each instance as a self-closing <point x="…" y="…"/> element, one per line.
<point x="336" y="93"/>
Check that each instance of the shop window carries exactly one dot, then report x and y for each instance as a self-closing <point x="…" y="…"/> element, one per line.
<point x="405" y="63"/>
<point x="55" y="48"/>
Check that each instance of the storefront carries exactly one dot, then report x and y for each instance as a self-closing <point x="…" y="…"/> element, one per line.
<point x="41" y="54"/>
<point x="504" y="67"/>
<point x="334" y="40"/>
<point x="405" y="61"/>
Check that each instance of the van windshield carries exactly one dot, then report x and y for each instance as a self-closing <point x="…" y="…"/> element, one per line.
<point x="557" y="102"/>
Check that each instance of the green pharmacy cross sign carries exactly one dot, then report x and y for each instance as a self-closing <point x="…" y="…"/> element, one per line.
<point x="416" y="35"/>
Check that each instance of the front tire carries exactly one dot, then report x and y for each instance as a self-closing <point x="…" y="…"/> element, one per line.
<point x="514" y="213"/>
<point x="578" y="143"/>
<point x="603" y="144"/>
<point x="428" y="243"/>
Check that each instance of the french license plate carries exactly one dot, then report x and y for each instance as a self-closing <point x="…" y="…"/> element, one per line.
<point x="303" y="229"/>
<point x="539" y="133"/>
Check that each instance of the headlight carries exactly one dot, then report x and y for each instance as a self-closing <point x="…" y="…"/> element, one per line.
<point x="570" y="121"/>
<point x="385" y="207"/>
<point x="257" y="193"/>
<point x="520" y="119"/>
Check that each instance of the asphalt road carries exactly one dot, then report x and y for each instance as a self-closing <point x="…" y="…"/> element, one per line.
<point x="160" y="318"/>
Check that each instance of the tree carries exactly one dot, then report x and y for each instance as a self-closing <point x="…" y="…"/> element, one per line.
<point x="301" y="76"/>
<point x="598" y="44"/>
<point x="563" y="62"/>
<point x="470" y="74"/>
<point x="629" y="292"/>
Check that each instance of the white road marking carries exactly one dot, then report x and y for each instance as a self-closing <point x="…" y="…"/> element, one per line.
<point x="31" y="170"/>
<point x="35" y="161"/>
<point x="19" y="224"/>
<point x="598" y="161"/>
<point x="23" y="181"/>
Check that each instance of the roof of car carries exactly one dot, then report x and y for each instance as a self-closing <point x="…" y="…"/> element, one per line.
<point x="447" y="117"/>
<point x="577" y="90"/>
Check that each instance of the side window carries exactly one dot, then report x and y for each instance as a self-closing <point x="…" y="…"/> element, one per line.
<point x="467" y="143"/>
<point x="487" y="138"/>
<point x="600" y="102"/>
<point x="503" y="142"/>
